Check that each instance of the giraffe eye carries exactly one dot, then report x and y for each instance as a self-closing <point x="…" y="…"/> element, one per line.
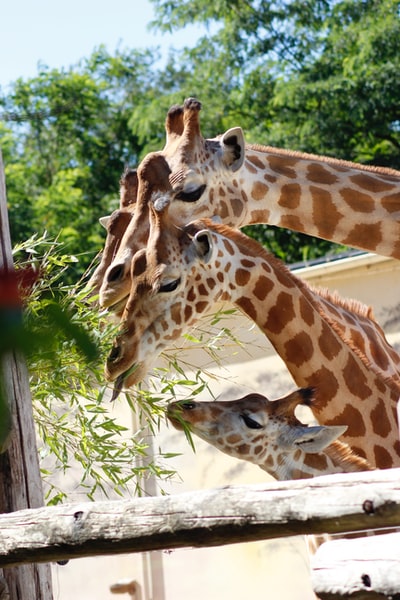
<point x="188" y="405"/>
<point x="170" y="286"/>
<point x="250" y="423"/>
<point x="191" y="196"/>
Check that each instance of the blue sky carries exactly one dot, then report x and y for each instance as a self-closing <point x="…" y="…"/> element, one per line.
<point x="59" y="34"/>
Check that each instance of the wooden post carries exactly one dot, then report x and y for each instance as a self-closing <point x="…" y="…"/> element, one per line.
<point x="20" y="481"/>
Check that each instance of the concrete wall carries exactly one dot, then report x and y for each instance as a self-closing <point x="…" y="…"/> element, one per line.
<point x="275" y="569"/>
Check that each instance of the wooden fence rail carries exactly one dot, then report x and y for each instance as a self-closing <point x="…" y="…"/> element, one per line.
<point x="330" y="504"/>
<point x="361" y="568"/>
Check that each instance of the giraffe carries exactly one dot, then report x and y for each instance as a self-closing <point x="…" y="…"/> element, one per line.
<point x="115" y="225"/>
<point x="267" y="433"/>
<point x="183" y="272"/>
<point x="126" y="232"/>
<point x="337" y="200"/>
<point x="152" y="177"/>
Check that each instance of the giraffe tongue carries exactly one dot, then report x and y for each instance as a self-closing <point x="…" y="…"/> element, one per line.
<point x="119" y="382"/>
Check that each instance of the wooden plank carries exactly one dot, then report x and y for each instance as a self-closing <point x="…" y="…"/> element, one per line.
<point x="20" y="481"/>
<point x="6" y="360"/>
<point x="330" y="504"/>
<point x="361" y="568"/>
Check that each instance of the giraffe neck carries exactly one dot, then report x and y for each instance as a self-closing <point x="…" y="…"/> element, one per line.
<point x="336" y="458"/>
<point x="339" y="201"/>
<point x="355" y="325"/>
<point x="289" y="313"/>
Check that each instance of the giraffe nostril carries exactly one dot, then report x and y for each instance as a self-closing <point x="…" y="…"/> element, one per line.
<point x="115" y="354"/>
<point x="115" y="273"/>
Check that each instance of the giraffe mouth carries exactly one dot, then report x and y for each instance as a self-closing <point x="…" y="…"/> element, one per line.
<point x="174" y="416"/>
<point x="132" y="376"/>
<point x="118" y="307"/>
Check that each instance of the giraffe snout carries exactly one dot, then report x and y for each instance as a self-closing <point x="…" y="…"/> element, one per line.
<point x="176" y="413"/>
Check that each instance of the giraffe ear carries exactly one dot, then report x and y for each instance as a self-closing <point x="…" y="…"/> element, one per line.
<point x="104" y="221"/>
<point x="202" y="243"/>
<point x="313" y="439"/>
<point x="232" y="148"/>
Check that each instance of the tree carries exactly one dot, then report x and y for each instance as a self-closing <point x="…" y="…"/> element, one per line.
<point x="66" y="142"/>
<point x="317" y="76"/>
<point x="346" y="103"/>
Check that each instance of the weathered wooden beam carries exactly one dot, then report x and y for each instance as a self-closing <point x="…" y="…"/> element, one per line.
<point x="366" y="568"/>
<point x="20" y="481"/>
<point x="330" y="504"/>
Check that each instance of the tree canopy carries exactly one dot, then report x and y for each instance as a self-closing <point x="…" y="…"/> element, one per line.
<point x="318" y="76"/>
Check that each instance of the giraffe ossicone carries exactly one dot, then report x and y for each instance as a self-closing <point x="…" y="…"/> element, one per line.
<point x="267" y="433"/>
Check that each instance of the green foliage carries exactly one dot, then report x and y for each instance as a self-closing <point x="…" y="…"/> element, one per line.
<point x="345" y="103"/>
<point x="65" y="340"/>
<point x="65" y="145"/>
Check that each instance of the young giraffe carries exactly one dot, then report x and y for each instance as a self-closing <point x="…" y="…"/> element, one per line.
<point x="340" y="201"/>
<point x="183" y="273"/>
<point x="267" y="433"/>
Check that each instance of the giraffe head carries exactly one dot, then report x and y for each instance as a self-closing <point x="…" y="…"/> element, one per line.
<point x="198" y="165"/>
<point x="246" y="183"/>
<point x="267" y="433"/>
<point x="152" y="176"/>
<point x="166" y="297"/>
<point x="177" y="279"/>
<point x="178" y="177"/>
<point x="116" y="225"/>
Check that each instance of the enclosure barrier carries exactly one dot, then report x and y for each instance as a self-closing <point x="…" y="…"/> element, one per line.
<point x="329" y="504"/>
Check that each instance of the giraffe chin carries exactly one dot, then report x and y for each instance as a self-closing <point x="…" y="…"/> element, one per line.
<point x="175" y="422"/>
<point x="136" y="374"/>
